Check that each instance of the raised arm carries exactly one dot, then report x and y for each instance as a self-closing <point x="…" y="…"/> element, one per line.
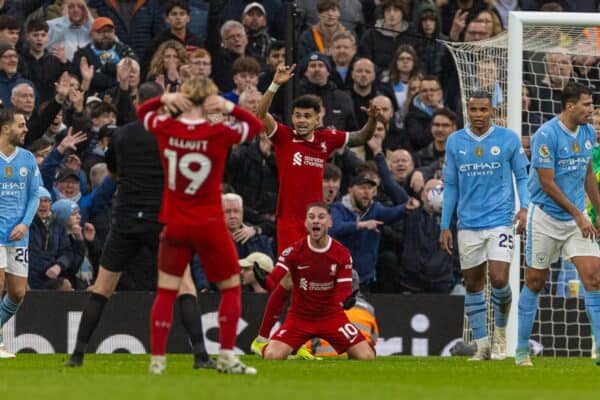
<point x="360" y="137"/>
<point x="283" y="73"/>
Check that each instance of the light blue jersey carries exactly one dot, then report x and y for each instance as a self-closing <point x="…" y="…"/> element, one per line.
<point x="478" y="178"/>
<point x="568" y="153"/>
<point x="19" y="183"/>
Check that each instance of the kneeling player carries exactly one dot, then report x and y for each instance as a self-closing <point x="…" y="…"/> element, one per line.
<point x="321" y="271"/>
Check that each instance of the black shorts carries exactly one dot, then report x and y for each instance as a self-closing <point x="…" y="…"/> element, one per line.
<point x="127" y="240"/>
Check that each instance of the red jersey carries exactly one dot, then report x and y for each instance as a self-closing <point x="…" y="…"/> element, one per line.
<point x="194" y="153"/>
<point x="300" y="166"/>
<point x="322" y="278"/>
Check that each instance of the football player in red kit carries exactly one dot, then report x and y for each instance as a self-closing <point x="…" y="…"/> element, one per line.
<point x="321" y="271"/>
<point x="194" y="152"/>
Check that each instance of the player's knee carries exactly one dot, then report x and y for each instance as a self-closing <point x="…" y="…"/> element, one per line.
<point x="498" y="280"/>
<point x="368" y="354"/>
<point x="591" y="281"/>
<point x="473" y="286"/>
<point x="271" y="353"/>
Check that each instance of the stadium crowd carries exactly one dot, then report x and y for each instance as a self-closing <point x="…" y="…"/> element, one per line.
<point x="73" y="68"/>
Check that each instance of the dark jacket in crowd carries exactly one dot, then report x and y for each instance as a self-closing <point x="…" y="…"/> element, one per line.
<point x="43" y="72"/>
<point x="430" y="51"/>
<point x="339" y="111"/>
<point x="105" y="75"/>
<point x="48" y="245"/>
<point x="418" y="124"/>
<point x="146" y="22"/>
<point x="8" y="83"/>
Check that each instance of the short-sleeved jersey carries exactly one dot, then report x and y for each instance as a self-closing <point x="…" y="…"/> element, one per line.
<point x="482" y="169"/>
<point x="19" y="183"/>
<point x="300" y="166"/>
<point x="193" y="153"/>
<point x="315" y="274"/>
<point x="568" y="153"/>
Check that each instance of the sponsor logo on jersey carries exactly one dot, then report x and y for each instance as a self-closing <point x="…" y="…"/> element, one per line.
<point x="544" y="151"/>
<point x="478" y="169"/>
<point x="576" y="148"/>
<point x="495" y="150"/>
<point x="478" y="151"/>
<point x="588" y="145"/>
<point x="299" y="159"/>
<point x="8" y="172"/>
<point x="23" y="171"/>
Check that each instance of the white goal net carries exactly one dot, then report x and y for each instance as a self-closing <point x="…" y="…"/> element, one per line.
<point x="552" y="56"/>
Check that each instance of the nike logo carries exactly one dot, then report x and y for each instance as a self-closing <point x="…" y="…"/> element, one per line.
<point x="297" y="141"/>
<point x="303" y="266"/>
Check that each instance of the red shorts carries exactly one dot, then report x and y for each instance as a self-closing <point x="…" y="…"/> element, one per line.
<point x="213" y="243"/>
<point x="289" y="231"/>
<point x="336" y="329"/>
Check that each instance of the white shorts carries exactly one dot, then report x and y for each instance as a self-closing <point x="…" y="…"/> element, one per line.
<point x="547" y="236"/>
<point x="14" y="260"/>
<point x="477" y="247"/>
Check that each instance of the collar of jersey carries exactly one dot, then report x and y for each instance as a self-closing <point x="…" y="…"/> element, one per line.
<point x="479" y="138"/>
<point x="324" y="249"/>
<point x="11" y="157"/>
<point x="189" y="121"/>
<point x="567" y="130"/>
<point x="294" y="139"/>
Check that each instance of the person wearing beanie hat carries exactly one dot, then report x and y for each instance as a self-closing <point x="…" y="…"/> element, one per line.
<point x="254" y="19"/>
<point x="63" y="209"/>
<point x="19" y="183"/>
<point x="247" y="265"/>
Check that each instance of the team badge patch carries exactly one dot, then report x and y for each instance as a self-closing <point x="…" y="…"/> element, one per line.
<point x="287" y="252"/>
<point x="588" y="145"/>
<point x="576" y="148"/>
<point x="541" y="257"/>
<point x="478" y="151"/>
<point x="23" y="171"/>
<point x="544" y="151"/>
<point x="495" y="150"/>
<point x="8" y="172"/>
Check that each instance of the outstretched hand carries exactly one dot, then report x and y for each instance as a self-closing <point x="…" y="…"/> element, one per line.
<point x="373" y="111"/>
<point x="283" y="73"/>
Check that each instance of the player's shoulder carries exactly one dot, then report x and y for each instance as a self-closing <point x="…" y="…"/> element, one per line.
<point x="506" y="136"/>
<point x="328" y="132"/>
<point x="339" y="249"/>
<point x="25" y="155"/>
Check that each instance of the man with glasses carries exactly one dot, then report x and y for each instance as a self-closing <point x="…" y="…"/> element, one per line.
<point x="421" y="110"/>
<point x="9" y="77"/>
<point x="233" y="45"/>
<point x="430" y="159"/>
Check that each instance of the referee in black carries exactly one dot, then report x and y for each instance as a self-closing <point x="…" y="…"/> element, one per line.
<point x="133" y="156"/>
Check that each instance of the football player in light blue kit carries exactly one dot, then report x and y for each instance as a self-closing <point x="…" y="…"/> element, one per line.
<point x="561" y="174"/>
<point x="478" y="184"/>
<point x="19" y="199"/>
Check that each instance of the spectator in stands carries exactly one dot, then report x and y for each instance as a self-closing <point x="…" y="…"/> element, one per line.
<point x="252" y="172"/>
<point x="275" y="56"/>
<point x="262" y="261"/>
<point x="356" y="222"/>
<point x="137" y="23"/>
<point x="454" y="15"/>
<point x="9" y="77"/>
<point x="22" y="99"/>
<point x="10" y="28"/>
<point x="425" y="267"/>
<point x="124" y="94"/>
<point x="403" y="67"/>
<point x="245" y="74"/>
<point x="430" y="51"/>
<point x="332" y="181"/>
<point x="103" y="54"/>
<point x="486" y="80"/>
<point x="40" y="65"/>
<point x="254" y="19"/>
<point x="430" y="159"/>
<point x="365" y="152"/>
<point x="319" y="37"/>
<point x="547" y="90"/>
<point x="351" y="14"/>
<point x="490" y="20"/>
<point x="200" y="63"/>
<point x="250" y="98"/>
<point x="380" y="43"/>
<point x="338" y="104"/>
<point x="177" y="14"/>
<point x="403" y="171"/>
<point x="247" y="238"/>
<point x="164" y="67"/>
<point x="72" y="30"/>
<point x="40" y="149"/>
<point x="420" y="112"/>
<point x="363" y="87"/>
<point x="233" y="45"/>
<point x="234" y="9"/>
<point x="395" y="137"/>
<point x="343" y="56"/>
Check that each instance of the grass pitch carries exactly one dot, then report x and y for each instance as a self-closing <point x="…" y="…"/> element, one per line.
<point x="124" y="376"/>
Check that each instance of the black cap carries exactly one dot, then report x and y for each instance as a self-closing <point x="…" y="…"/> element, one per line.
<point x="361" y="180"/>
<point x="67" y="173"/>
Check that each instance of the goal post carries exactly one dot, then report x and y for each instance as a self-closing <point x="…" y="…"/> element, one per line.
<point x="529" y="64"/>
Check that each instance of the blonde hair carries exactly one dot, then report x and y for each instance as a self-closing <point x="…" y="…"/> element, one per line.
<point x="157" y="65"/>
<point x="88" y="13"/>
<point x="197" y="89"/>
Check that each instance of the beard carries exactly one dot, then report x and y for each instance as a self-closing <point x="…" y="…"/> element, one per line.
<point x="104" y="45"/>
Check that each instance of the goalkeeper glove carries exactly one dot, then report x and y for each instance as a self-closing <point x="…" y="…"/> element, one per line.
<point x="350" y="300"/>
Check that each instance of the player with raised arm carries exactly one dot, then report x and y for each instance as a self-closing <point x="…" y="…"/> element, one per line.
<point x="321" y="273"/>
<point x="561" y="175"/>
<point x="19" y="183"/>
<point x="301" y="155"/>
<point x="478" y="183"/>
<point x="194" y="152"/>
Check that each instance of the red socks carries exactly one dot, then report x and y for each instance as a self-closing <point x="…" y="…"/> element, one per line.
<point x="273" y="310"/>
<point x="160" y="320"/>
<point x="230" y="310"/>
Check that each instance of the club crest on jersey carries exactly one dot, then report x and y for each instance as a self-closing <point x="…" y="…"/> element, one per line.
<point x="588" y="145"/>
<point x="303" y="284"/>
<point x="495" y="150"/>
<point x="576" y="148"/>
<point x="8" y="172"/>
<point x="23" y="171"/>
<point x="541" y="257"/>
<point x="324" y="147"/>
<point x="333" y="269"/>
<point x="287" y="251"/>
<point x="478" y="151"/>
<point x="544" y="151"/>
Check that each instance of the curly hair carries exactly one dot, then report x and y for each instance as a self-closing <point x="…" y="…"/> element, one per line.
<point x="157" y="65"/>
